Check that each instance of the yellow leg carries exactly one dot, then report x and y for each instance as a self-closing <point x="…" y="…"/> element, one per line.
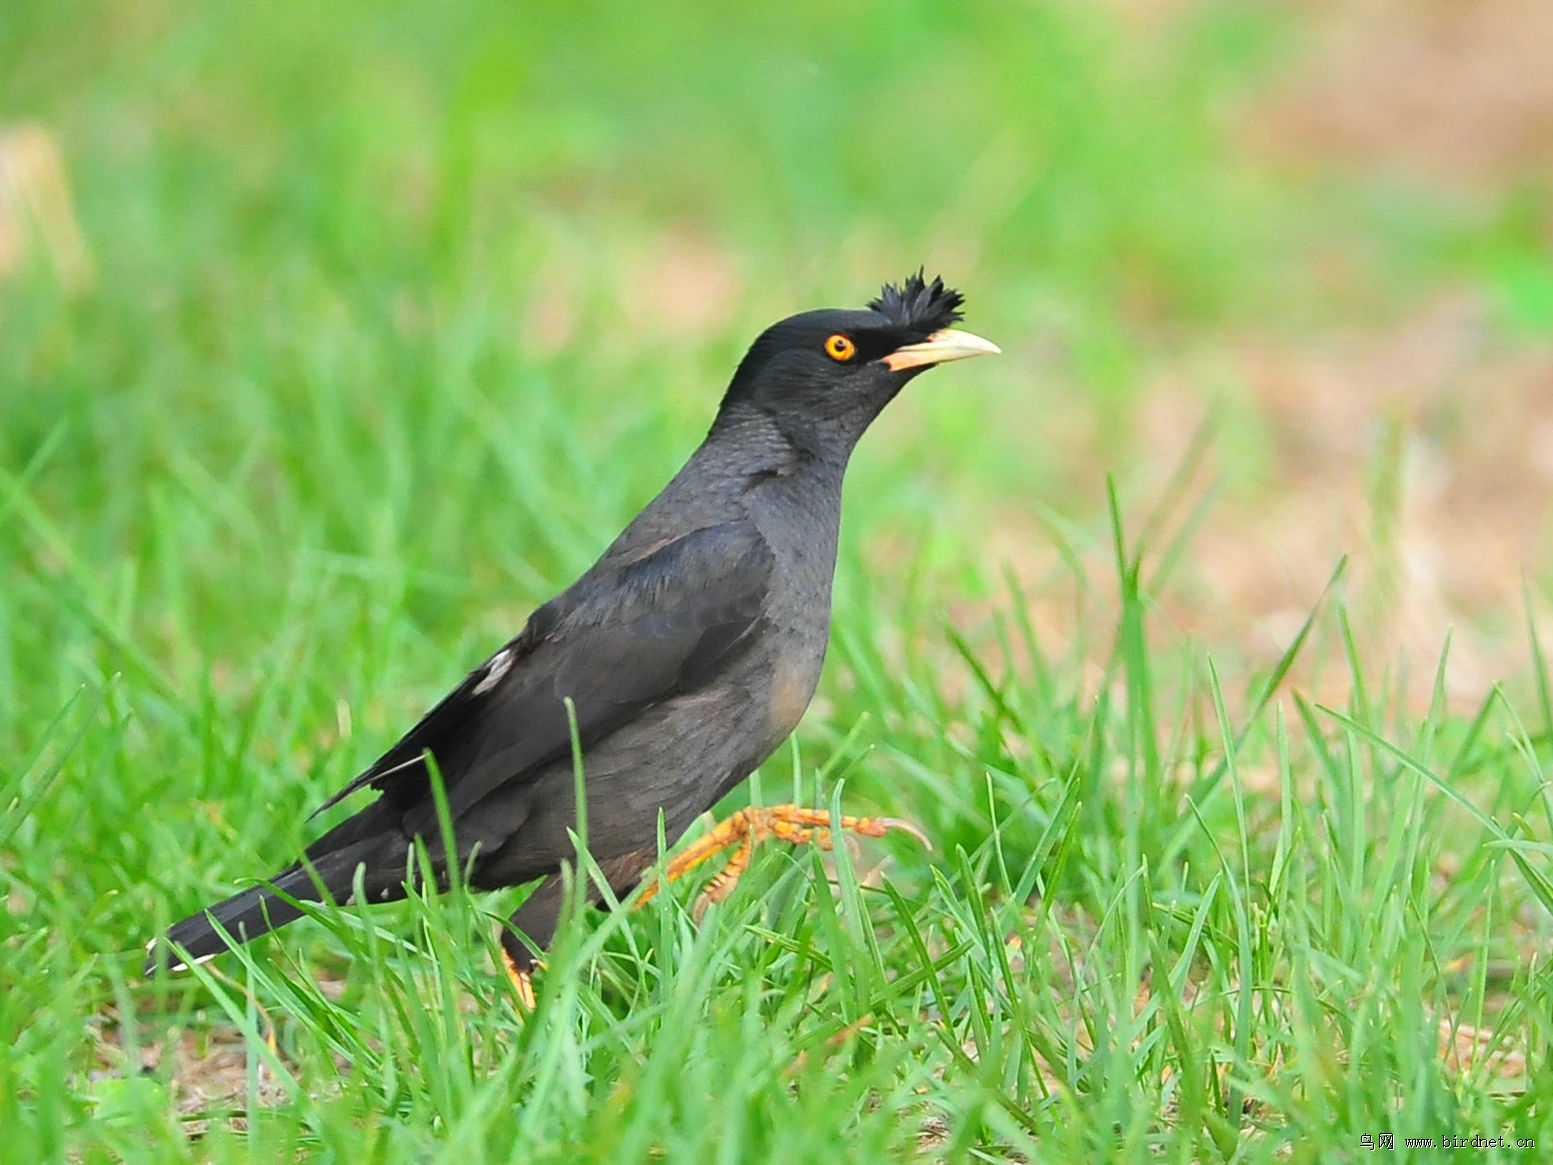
<point x="727" y="878"/>
<point x="749" y="827"/>
<point x="522" y="983"/>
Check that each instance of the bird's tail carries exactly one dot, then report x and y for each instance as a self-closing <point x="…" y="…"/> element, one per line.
<point x="265" y="907"/>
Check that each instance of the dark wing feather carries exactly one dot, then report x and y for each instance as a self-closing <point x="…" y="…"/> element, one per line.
<point x="622" y="638"/>
<point x="406" y="760"/>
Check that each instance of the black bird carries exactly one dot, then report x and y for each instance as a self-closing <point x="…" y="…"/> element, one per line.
<point x="690" y="650"/>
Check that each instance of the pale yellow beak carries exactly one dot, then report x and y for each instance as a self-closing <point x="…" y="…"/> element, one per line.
<point x="939" y="348"/>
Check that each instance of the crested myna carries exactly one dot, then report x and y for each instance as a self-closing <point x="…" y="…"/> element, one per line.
<point x="689" y="651"/>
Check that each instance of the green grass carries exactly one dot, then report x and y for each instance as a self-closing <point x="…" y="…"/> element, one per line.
<point x="378" y="357"/>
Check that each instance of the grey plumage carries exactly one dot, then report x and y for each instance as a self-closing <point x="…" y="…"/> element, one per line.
<point x="689" y="650"/>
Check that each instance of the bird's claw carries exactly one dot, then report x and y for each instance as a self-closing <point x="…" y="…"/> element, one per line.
<point x="747" y="828"/>
<point x="522" y="984"/>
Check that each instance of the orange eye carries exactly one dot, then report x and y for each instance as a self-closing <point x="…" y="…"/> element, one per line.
<point x="840" y="347"/>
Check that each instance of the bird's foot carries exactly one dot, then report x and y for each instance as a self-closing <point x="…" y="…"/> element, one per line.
<point x="749" y="827"/>
<point x="522" y="983"/>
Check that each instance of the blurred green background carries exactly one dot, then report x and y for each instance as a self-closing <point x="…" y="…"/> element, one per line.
<point x="333" y="338"/>
<point x="346" y="241"/>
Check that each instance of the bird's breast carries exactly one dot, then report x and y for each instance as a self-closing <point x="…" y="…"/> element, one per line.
<point x="799" y="518"/>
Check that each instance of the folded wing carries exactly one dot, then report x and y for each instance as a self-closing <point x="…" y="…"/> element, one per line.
<point x="622" y="638"/>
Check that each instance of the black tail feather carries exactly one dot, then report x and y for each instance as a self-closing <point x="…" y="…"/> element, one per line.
<point x="263" y="908"/>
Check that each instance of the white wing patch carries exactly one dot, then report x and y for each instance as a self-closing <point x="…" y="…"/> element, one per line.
<point x="498" y="666"/>
<point x="197" y="962"/>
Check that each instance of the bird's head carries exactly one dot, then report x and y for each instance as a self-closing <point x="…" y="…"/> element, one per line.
<point x="826" y="374"/>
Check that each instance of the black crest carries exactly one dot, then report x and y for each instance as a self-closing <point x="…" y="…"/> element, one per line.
<point x="919" y="306"/>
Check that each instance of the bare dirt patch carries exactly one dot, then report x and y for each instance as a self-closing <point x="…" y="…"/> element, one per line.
<point x="1451" y="91"/>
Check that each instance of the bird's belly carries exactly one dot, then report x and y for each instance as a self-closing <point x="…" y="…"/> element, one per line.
<point x="676" y="760"/>
<point x="793" y="682"/>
